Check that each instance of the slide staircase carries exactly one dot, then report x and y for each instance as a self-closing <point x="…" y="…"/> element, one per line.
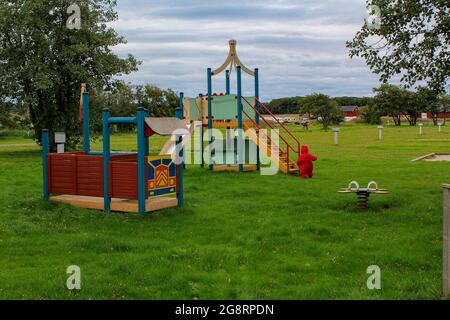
<point x="284" y="153"/>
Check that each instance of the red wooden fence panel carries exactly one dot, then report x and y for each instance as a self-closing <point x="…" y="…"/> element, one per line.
<point x="81" y="174"/>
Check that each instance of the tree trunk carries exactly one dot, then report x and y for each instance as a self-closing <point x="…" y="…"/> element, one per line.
<point x="435" y="117"/>
<point x="397" y="119"/>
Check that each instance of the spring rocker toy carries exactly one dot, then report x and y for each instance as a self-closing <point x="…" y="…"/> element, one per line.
<point x="363" y="193"/>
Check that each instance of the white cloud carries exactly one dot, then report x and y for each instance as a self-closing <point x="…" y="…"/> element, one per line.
<point x="298" y="45"/>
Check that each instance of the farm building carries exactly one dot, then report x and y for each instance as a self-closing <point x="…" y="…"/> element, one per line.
<point x="350" y="111"/>
<point x="441" y="114"/>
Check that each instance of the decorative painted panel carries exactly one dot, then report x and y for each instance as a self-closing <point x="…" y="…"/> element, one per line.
<point x="162" y="176"/>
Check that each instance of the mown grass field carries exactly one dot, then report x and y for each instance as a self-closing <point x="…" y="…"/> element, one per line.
<point x="239" y="236"/>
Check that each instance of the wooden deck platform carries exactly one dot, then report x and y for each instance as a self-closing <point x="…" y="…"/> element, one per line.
<point x="119" y="205"/>
<point x="234" y="168"/>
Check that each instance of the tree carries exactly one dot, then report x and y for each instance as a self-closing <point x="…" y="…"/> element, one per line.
<point x="429" y="99"/>
<point x="325" y="109"/>
<point x="285" y="105"/>
<point x="370" y="114"/>
<point x="353" y="101"/>
<point x="123" y="99"/>
<point x="412" y="41"/>
<point x="413" y="107"/>
<point x="43" y="62"/>
<point x="390" y="99"/>
<point x="159" y="103"/>
<point x="444" y="103"/>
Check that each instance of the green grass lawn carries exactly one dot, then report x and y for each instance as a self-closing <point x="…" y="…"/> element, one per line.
<point x="239" y="236"/>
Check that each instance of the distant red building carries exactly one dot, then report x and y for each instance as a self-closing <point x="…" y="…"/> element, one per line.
<point x="350" y="111"/>
<point x="441" y="115"/>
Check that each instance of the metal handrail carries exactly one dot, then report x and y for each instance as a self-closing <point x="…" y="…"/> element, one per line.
<point x="282" y="125"/>
<point x="259" y="128"/>
<point x="288" y="146"/>
<point x="268" y="123"/>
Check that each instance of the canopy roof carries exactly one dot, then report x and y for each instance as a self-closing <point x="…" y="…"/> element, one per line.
<point x="165" y="126"/>
<point x="232" y="61"/>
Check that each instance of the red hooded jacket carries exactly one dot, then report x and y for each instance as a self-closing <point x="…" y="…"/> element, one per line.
<point x="305" y="163"/>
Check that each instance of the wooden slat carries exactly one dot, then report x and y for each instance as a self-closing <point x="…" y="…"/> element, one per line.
<point x="63" y="179"/>
<point x="89" y="186"/>
<point x="91" y="193"/>
<point x="119" y="205"/>
<point x="58" y="168"/>
<point x="90" y="180"/>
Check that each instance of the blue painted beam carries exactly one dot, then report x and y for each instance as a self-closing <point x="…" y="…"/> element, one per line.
<point x="122" y="120"/>
<point x="227" y="81"/>
<point x="45" y="151"/>
<point x="180" y="152"/>
<point x="240" y="124"/>
<point x="86" y="128"/>
<point x="140" y="119"/>
<point x="258" y="158"/>
<point x="106" y="157"/>
<point x="179" y="111"/>
<point x="210" y="120"/>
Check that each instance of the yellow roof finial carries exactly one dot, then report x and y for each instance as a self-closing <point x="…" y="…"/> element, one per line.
<point x="232" y="60"/>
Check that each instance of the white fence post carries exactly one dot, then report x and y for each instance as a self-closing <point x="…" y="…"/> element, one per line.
<point x="336" y="135"/>
<point x="446" y="245"/>
<point x="380" y="132"/>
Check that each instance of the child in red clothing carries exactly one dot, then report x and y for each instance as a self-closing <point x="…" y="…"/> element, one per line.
<point x="305" y="163"/>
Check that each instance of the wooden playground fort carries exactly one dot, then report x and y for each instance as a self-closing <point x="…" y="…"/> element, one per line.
<point x="246" y="114"/>
<point x="138" y="182"/>
<point x="126" y="182"/>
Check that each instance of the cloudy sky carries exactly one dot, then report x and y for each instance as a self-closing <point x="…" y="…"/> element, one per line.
<point x="298" y="45"/>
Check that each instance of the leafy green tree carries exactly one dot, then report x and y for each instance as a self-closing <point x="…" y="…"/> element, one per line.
<point x="370" y="114"/>
<point x="124" y="98"/>
<point x="390" y="99"/>
<point x="353" y="101"/>
<point x="285" y="105"/>
<point x="429" y="99"/>
<point x="413" y="107"/>
<point x="444" y="103"/>
<point x="43" y="62"/>
<point x="158" y="102"/>
<point x="412" y="41"/>
<point x="326" y="110"/>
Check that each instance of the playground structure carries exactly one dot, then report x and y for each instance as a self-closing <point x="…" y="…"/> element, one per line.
<point x="238" y="115"/>
<point x="363" y="193"/>
<point x="124" y="182"/>
<point x="434" y="157"/>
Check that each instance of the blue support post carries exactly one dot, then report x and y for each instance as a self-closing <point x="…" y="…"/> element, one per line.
<point x="147" y="139"/>
<point x="227" y="83"/>
<point x="210" y="120"/>
<point x="180" y="153"/>
<point x="258" y="158"/>
<point x="140" y="119"/>
<point x="45" y="151"/>
<point x="106" y="157"/>
<point x="240" y="126"/>
<point x="86" y="129"/>
<point x="179" y="112"/>
<point x="202" y="158"/>
<point x="122" y="120"/>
